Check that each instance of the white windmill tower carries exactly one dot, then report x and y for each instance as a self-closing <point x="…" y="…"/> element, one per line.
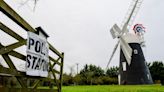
<point x="132" y="66"/>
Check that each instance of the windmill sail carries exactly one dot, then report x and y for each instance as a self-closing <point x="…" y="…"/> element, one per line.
<point x="114" y="50"/>
<point x="115" y="31"/>
<point x="131" y="14"/>
<point x="127" y="50"/>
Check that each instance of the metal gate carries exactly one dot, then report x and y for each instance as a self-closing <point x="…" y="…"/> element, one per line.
<point x="26" y="83"/>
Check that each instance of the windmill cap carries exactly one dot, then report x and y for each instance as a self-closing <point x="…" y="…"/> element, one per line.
<point x="131" y="38"/>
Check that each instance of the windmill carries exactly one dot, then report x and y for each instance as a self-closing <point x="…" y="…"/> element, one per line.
<point x="132" y="66"/>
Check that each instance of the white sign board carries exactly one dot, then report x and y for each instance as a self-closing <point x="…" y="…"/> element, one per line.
<point x="37" y="55"/>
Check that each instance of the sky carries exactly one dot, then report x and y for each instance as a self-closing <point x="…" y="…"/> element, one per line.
<point x="80" y="28"/>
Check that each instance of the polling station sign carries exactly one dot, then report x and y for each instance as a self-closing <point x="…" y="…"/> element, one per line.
<point x="37" y="55"/>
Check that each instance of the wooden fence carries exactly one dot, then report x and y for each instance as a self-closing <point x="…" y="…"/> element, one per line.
<point x="21" y="77"/>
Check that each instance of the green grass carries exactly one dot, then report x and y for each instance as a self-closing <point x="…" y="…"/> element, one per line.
<point x="114" y="88"/>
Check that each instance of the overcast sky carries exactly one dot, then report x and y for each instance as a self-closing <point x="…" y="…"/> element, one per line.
<point x="80" y="28"/>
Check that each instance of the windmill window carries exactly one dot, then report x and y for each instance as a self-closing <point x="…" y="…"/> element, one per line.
<point x="135" y="51"/>
<point x="124" y="66"/>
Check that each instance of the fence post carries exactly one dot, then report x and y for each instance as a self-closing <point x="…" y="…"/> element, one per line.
<point x="61" y="71"/>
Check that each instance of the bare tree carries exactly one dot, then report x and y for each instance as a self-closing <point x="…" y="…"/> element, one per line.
<point x="26" y="2"/>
